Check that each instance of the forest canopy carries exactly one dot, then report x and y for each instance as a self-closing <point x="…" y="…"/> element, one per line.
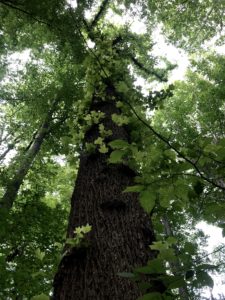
<point x="103" y="182"/>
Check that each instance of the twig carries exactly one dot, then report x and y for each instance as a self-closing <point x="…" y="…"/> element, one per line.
<point x="24" y="12"/>
<point x="213" y="252"/>
<point x="147" y="71"/>
<point x="162" y="138"/>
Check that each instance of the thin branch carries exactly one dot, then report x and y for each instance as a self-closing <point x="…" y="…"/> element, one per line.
<point x="3" y="155"/>
<point x="180" y="154"/>
<point x="147" y="71"/>
<point x="215" y="251"/>
<point x="31" y="142"/>
<point x="162" y="138"/>
<point x="86" y="24"/>
<point x="6" y="3"/>
<point x="171" y="176"/>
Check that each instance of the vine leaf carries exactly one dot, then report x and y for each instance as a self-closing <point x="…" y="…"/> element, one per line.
<point x="204" y="279"/>
<point x="40" y="297"/>
<point x="147" y="200"/>
<point x="116" y="156"/>
<point x="118" y="144"/>
<point x="134" y="188"/>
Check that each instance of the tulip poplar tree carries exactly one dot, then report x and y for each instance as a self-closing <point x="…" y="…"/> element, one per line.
<point x="73" y="112"/>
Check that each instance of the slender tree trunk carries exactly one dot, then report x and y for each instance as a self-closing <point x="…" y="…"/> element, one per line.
<point x="7" y="150"/>
<point x="121" y="230"/>
<point x="13" y="186"/>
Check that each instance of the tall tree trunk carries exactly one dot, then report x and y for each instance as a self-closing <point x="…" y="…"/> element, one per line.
<point x="121" y="230"/>
<point x="14" y="184"/>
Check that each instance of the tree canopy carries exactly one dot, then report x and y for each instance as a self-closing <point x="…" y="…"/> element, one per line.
<point x="77" y="57"/>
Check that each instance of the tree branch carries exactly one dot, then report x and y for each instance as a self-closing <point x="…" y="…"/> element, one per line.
<point x="215" y="251"/>
<point x="86" y="43"/>
<point x="99" y="14"/>
<point x="180" y="154"/>
<point x="7" y="3"/>
<point x="3" y="155"/>
<point x="147" y="71"/>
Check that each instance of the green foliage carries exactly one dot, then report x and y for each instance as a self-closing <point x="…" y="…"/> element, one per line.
<point x="116" y="156"/>
<point x="79" y="239"/>
<point x="120" y="120"/>
<point x="40" y="297"/>
<point x="204" y="279"/>
<point x="205" y="17"/>
<point x="119" y="144"/>
<point x="147" y="199"/>
<point x="180" y="163"/>
<point x="94" y="117"/>
<point x="134" y="188"/>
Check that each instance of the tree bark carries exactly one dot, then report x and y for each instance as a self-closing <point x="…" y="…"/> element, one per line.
<point x="121" y="230"/>
<point x="13" y="186"/>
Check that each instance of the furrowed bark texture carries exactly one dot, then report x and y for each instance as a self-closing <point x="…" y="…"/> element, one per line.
<point x="121" y="230"/>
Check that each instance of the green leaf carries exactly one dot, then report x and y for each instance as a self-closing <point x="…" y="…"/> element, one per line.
<point x="33" y="275"/>
<point x="103" y="149"/>
<point x="214" y="212"/>
<point x="170" y="154"/>
<point x="181" y="189"/>
<point x="40" y="297"/>
<point x="174" y="281"/>
<point x="127" y="275"/>
<point x="116" y="156"/>
<point x="166" y="252"/>
<point x="71" y="241"/>
<point x="90" y="147"/>
<point x="144" y="286"/>
<point x="120" y="120"/>
<point x="134" y="188"/>
<point x="118" y="144"/>
<point x="159" y="245"/>
<point x="122" y="87"/>
<point x="213" y="148"/>
<point x="166" y="194"/>
<point x="189" y="248"/>
<point x="147" y="200"/>
<point x="206" y="267"/>
<point x="171" y="240"/>
<point x="83" y="229"/>
<point x="204" y="279"/>
<point x="39" y="254"/>
<point x="154" y="266"/>
<point x="144" y="270"/>
<point x="98" y="141"/>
